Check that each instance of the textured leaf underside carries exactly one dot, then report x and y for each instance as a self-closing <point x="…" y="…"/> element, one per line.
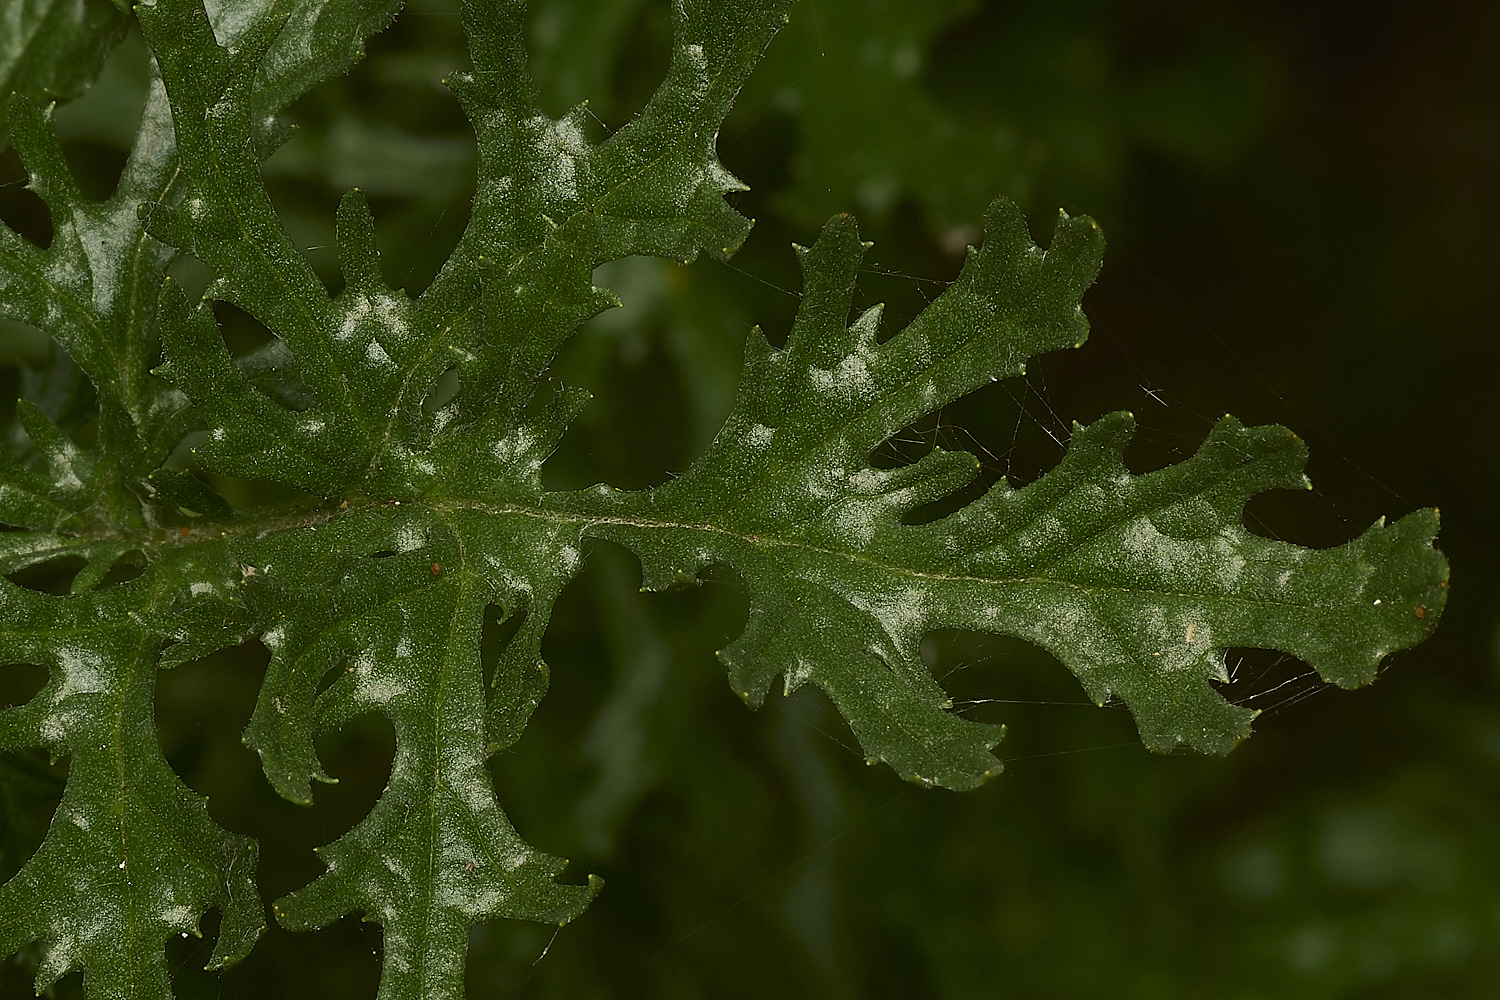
<point x="372" y="596"/>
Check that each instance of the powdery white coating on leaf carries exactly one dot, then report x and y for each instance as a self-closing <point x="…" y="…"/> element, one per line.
<point x="104" y="241"/>
<point x="83" y="672"/>
<point x="409" y="537"/>
<point x="849" y="380"/>
<point x="1179" y="557"/>
<point x="759" y="435"/>
<point x="178" y="918"/>
<point x="855" y="521"/>
<point x="232" y="18"/>
<point x="513" y="445"/>
<point x="796" y="675"/>
<point x="902" y="615"/>
<point x="559" y="146"/>
<point x="377" y="356"/>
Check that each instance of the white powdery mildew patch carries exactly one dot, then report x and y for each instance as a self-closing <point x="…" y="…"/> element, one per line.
<point x="559" y="146"/>
<point x="1190" y="641"/>
<point x="824" y="484"/>
<point x="354" y="316"/>
<point x="376" y="355"/>
<point x="442" y="418"/>
<point x="856" y="521"/>
<point x="232" y="18"/>
<point x="903" y="615"/>
<point x="759" y="436"/>
<point x="723" y="180"/>
<point x="53" y="729"/>
<point x="696" y="61"/>
<point x="1226" y="547"/>
<point x="513" y="445"/>
<point x="104" y="247"/>
<point x="60" y="955"/>
<point x="178" y="918"/>
<point x="1169" y="557"/>
<point x="409" y="537"/>
<point x="473" y="787"/>
<point x="850" y="380"/>
<point x="377" y="687"/>
<point x="1039" y="534"/>
<point x="796" y="675"/>
<point x="83" y="672"/>
<point x="868" y="482"/>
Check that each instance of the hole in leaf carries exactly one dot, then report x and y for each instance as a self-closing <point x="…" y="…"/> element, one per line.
<point x="21" y="342"/>
<point x="192" y="274"/>
<point x="331" y="677"/>
<point x="266" y="360"/>
<point x="31" y="788"/>
<point x="21" y="209"/>
<point x="499" y="629"/>
<point x="243" y="494"/>
<point x="96" y="166"/>
<point x="359" y="754"/>
<point x="243" y="334"/>
<point x="128" y="567"/>
<point x="19" y="683"/>
<point x="1266" y="680"/>
<point x="1003" y="679"/>
<point x="187" y="954"/>
<point x="55" y="576"/>
<point x="382" y="554"/>
<point x="98" y="128"/>
<point x="632" y="434"/>
<point x="201" y="708"/>
<point x="443" y="391"/>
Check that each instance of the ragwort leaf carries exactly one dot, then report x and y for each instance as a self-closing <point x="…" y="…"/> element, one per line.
<point x="132" y="856"/>
<point x="373" y="599"/>
<point x="1137" y="583"/>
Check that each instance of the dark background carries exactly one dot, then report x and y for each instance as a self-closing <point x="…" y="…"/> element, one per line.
<point x="1300" y="200"/>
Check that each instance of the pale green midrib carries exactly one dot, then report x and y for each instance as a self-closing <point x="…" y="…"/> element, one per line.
<point x="262" y="528"/>
<point x="125" y="790"/>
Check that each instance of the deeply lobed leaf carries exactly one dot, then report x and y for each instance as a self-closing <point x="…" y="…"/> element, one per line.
<point x="371" y="595"/>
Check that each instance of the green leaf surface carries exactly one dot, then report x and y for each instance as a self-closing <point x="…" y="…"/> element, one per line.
<point x="132" y="856"/>
<point x="412" y="430"/>
<point x="1137" y="583"/>
<point x="53" y="49"/>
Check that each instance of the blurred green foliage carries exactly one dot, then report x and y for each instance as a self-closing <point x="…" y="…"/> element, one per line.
<point x="1300" y="199"/>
